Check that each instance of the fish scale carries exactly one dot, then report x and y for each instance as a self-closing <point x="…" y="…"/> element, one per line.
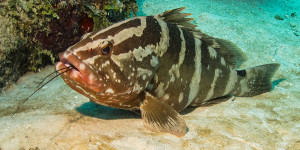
<point x="159" y="65"/>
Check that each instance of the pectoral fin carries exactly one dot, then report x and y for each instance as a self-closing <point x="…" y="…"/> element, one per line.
<point x="160" y="117"/>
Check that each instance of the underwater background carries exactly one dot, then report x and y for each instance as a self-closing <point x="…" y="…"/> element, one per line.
<point x="57" y="117"/>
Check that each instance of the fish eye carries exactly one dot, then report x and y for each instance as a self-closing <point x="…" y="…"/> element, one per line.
<point x="106" y="50"/>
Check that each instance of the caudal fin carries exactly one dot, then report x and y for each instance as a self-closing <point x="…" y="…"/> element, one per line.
<point x="256" y="80"/>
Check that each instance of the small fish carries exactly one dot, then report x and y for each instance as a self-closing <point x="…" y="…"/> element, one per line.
<point x="159" y="65"/>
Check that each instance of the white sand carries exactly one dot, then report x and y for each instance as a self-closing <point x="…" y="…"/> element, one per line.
<point x="57" y="117"/>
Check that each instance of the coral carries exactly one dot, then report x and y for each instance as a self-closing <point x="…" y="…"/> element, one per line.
<point x="33" y="32"/>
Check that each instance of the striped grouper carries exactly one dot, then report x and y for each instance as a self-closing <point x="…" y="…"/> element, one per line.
<point x="157" y="66"/>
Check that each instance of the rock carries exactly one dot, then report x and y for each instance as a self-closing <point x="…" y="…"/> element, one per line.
<point x="32" y="33"/>
<point x="278" y="17"/>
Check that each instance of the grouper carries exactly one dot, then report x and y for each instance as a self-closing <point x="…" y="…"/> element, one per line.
<point x="159" y="65"/>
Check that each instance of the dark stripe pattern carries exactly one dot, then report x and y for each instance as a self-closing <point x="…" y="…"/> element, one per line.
<point x="152" y="30"/>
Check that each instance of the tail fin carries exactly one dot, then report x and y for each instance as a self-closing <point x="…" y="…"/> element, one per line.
<point x="256" y="80"/>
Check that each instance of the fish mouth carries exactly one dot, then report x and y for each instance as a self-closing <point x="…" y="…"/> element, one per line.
<point x="79" y="72"/>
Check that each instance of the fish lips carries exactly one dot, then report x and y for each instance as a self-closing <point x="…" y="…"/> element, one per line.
<point x="80" y="72"/>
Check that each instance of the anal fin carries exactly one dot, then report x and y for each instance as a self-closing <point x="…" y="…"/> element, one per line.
<point x="160" y="117"/>
<point x="217" y="100"/>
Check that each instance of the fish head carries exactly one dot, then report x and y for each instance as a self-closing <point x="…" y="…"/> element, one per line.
<point x="101" y="69"/>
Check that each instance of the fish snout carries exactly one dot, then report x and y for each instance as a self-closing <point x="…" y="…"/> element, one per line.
<point x="73" y="68"/>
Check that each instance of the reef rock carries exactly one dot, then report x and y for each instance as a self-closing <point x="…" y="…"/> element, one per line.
<point x="33" y="32"/>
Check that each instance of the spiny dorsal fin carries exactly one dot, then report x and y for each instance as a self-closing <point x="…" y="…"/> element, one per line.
<point x="233" y="55"/>
<point x="174" y="16"/>
<point x="160" y="117"/>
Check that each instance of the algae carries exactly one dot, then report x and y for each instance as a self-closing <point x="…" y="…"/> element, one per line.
<point x="34" y="32"/>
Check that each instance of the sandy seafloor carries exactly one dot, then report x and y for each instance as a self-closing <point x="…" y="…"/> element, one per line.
<point x="57" y="117"/>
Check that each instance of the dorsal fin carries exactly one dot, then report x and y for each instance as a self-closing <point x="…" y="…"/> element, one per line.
<point x="174" y="16"/>
<point x="233" y="55"/>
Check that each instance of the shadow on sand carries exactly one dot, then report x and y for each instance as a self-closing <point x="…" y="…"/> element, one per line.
<point x="108" y="113"/>
<point x="102" y="112"/>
